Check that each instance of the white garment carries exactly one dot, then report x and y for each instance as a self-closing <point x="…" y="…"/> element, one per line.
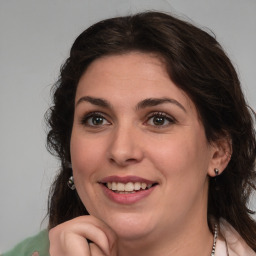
<point x="232" y="244"/>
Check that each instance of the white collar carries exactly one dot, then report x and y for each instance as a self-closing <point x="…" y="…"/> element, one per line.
<point x="231" y="243"/>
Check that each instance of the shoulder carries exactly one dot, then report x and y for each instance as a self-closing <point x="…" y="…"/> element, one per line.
<point x="232" y="242"/>
<point x="37" y="245"/>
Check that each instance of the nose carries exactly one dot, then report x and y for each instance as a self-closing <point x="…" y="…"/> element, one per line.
<point x="125" y="147"/>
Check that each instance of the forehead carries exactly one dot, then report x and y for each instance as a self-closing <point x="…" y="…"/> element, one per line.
<point x="129" y="65"/>
<point x="129" y="76"/>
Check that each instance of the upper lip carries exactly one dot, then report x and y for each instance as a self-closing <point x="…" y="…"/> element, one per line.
<point x="126" y="179"/>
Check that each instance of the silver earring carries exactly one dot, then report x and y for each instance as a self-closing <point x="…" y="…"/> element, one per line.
<point x="71" y="183"/>
<point x="69" y="165"/>
<point x="216" y="170"/>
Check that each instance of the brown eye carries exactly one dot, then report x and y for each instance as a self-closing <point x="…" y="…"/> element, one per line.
<point x="160" y="119"/>
<point x="94" y="119"/>
<point x="97" y="120"/>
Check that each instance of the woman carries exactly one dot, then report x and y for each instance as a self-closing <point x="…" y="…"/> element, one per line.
<point x="156" y="143"/>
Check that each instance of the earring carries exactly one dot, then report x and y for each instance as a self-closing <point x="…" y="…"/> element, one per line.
<point x="216" y="170"/>
<point x="71" y="183"/>
<point x="69" y="165"/>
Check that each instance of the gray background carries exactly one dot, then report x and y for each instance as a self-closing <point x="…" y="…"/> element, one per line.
<point x="35" y="37"/>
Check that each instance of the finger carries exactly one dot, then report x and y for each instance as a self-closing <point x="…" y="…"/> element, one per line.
<point x="93" y="233"/>
<point x="106" y="231"/>
<point x="95" y="250"/>
<point x="67" y="244"/>
<point x="76" y="245"/>
<point x="71" y="236"/>
<point x="111" y="236"/>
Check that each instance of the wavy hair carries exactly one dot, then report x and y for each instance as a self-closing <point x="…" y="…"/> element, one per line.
<point x="198" y="65"/>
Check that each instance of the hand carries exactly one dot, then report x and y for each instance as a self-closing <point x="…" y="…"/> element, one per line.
<point x="69" y="238"/>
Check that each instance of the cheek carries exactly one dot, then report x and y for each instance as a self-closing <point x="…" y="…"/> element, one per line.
<point x="86" y="162"/>
<point x="85" y="156"/>
<point x="183" y="164"/>
<point x="184" y="155"/>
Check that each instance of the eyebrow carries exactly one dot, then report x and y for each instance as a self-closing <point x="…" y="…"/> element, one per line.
<point x="95" y="101"/>
<point x="150" y="102"/>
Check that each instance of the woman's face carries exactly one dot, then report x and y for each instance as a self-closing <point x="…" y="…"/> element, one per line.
<point x="135" y="130"/>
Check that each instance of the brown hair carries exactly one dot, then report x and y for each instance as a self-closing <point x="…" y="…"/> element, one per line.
<point x="198" y="65"/>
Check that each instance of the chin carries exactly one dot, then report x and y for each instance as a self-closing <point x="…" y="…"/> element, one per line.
<point x="130" y="226"/>
<point x="130" y="233"/>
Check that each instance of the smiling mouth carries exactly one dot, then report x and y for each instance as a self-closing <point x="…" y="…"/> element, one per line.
<point x="129" y="187"/>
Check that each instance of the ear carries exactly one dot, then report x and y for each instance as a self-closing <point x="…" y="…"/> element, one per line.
<point x="220" y="155"/>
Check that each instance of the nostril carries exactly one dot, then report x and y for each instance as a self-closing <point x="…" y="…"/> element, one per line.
<point x="131" y="160"/>
<point x="123" y="162"/>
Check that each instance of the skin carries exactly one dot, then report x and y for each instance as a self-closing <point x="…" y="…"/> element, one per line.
<point x="128" y="140"/>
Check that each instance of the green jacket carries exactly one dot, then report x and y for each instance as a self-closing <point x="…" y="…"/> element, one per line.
<point x="33" y="246"/>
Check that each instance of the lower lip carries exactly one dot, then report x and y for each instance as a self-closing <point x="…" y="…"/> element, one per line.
<point x="127" y="198"/>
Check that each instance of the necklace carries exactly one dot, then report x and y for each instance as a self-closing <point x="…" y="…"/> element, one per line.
<point x="214" y="239"/>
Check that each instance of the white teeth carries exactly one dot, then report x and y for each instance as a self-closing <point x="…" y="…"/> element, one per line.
<point x="120" y="186"/>
<point x="137" y="185"/>
<point x="143" y="185"/>
<point x="113" y="187"/>
<point x="109" y="185"/>
<point x="129" y="187"/>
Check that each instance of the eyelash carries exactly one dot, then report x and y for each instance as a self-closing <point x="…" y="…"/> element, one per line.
<point x="86" y="118"/>
<point x="166" y="117"/>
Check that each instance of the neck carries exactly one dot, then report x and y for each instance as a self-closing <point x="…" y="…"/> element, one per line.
<point x="183" y="235"/>
<point x="195" y="240"/>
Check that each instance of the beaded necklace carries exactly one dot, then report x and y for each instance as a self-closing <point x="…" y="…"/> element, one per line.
<point x="214" y="239"/>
